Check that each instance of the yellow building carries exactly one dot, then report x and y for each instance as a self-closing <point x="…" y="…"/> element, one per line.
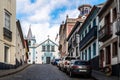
<point x="7" y="31"/>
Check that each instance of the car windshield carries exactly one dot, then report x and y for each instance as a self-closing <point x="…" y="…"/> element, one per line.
<point x="81" y="63"/>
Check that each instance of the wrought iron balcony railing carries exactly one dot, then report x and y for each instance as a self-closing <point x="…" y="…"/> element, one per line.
<point x="90" y="36"/>
<point x="7" y="34"/>
<point x="105" y="33"/>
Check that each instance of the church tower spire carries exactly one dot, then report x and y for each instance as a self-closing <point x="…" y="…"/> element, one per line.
<point x="29" y="35"/>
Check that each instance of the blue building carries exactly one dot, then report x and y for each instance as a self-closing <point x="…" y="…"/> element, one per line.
<point x="88" y="38"/>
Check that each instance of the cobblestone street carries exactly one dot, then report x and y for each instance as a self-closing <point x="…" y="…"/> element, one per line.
<point x="42" y="72"/>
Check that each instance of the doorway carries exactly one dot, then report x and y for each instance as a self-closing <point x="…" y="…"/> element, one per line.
<point x="47" y="60"/>
<point x="108" y="55"/>
<point x="101" y="58"/>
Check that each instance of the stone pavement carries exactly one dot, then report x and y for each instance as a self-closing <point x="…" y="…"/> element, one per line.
<point x="101" y="76"/>
<point x="12" y="71"/>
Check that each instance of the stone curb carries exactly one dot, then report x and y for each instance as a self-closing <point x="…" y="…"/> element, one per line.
<point x="13" y="71"/>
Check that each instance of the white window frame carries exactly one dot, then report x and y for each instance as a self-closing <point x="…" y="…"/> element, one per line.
<point x="8" y="54"/>
<point x="7" y="20"/>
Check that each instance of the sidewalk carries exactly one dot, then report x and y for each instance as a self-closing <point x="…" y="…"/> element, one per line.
<point x="101" y="76"/>
<point x="13" y="71"/>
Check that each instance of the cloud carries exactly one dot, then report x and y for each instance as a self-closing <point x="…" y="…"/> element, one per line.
<point x="45" y="16"/>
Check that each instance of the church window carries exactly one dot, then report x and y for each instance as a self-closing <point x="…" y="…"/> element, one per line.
<point x="53" y="48"/>
<point x="48" y="48"/>
<point x="43" y="48"/>
<point x="29" y="43"/>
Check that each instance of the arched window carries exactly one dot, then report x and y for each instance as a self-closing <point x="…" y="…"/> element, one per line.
<point x="43" y="48"/>
<point x="53" y="48"/>
<point x="86" y="10"/>
<point x="29" y="42"/>
<point x="48" y="48"/>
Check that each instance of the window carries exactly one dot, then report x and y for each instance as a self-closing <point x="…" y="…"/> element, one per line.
<point x="107" y="19"/>
<point x="7" y="20"/>
<point x="43" y="48"/>
<point x="114" y="14"/>
<point x="82" y="56"/>
<point x="115" y="49"/>
<point x="85" y="31"/>
<point x="89" y="53"/>
<point x="71" y="53"/>
<point x="6" y="54"/>
<point x="94" y="22"/>
<point x="86" y="11"/>
<point x="108" y="54"/>
<point x="76" y="51"/>
<point x="89" y="27"/>
<point x="85" y="54"/>
<point x="82" y="36"/>
<point x="48" y="48"/>
<point x="53" y="48"/>
<point x="29" y="42"/>
<point x="94" y="49"/>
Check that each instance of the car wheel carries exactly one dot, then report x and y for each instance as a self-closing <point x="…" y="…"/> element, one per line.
<point x="71" y="74"/>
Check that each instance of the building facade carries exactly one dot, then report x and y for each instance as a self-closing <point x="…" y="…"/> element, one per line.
<point x="88" y="38"/>
<point x="73" y="38"/>
<point x="20" y="46"/>
<point x="109" y="48"/>
<point x="46" y="51"/>
<point x="31" y="42"/>
<point x="8" y="31"/>
<point x="64" y="31"/>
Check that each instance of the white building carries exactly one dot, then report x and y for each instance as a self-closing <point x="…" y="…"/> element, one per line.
<point x="31" y="42"/>
<point x="46" y="51"/>
<point x="109" y="44"/>
<point x="20" y="46"/>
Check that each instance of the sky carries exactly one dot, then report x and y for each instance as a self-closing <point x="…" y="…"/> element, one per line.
<point x="45" y="16"/>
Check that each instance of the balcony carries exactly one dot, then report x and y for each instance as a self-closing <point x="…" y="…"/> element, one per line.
<point x="90" y="36"/>
<point x="118" y="28"/>
<point x="7" y="34"/>
<point x="105" y="33"/>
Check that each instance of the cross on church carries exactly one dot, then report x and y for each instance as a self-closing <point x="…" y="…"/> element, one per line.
<point x="48" y="36"/>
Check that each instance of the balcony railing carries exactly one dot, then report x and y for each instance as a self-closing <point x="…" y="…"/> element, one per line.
<point x="118" y="28"/>
<point x="105" y="33"/>
<point x="7" y="34"/>
<point x="90" y="36"/>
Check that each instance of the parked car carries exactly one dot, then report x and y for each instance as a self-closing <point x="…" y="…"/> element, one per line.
<point x="59" y="64"/>
<point x="79" y="67"/>
<point x="65" y="62"/>
<point x="55" y="61"/>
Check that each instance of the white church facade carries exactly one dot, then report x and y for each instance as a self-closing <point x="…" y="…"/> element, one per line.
<point x="46" y="51"/>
